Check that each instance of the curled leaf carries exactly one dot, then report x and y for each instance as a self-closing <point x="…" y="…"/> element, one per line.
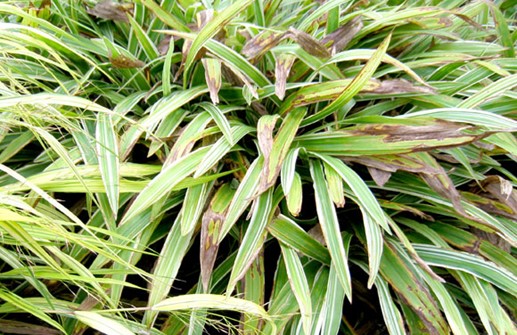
<point x="495" y="195"/>
<point x="440" y="182"/>
<point x="406" y="208"/>
<point x="318" y="92"/>
<point x="212" y="301"/>
<point x="189" y="135"/>
<point x="102" y="324"/>
<point x="500" y="188"/>
<point x="468" y="20"/>
<point x="111" y="10"/>
<point x="263" y="42"/>
<point x="259" y="108"/>
<point x="443" y="185"/>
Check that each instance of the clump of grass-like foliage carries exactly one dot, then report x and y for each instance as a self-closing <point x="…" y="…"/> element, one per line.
<point x="258" y="166"/>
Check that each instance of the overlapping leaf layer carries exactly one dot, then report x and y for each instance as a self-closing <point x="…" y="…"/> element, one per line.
<point x="265" y="166"/>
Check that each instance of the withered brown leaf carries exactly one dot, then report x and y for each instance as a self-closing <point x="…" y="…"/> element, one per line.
<point x="339" y="39"/>
<point x="211" y="224"/>
<point x="308" y="43"/>
<point x="265" y="128"/>
<point x="317" y="233"/>
<point x="437" y="130"/>
<point x="490" y="205"/>
<point x="262" y="43"/>
<point x="496" y="195"/>
<point x="418" y="162"/>
<point x="284" y="62"/>
<point x="380" y="177"/>
<point x="213" y="77"/>
<point x="491" y="237"/>
<point x="166" y="43"/>
<point x="19" y="327"/>
<point x="111" y="10"/>
<point x="45" y="4"/>
<point x="237" y="78"/>
<point x="393" y="163"/>
<point x="202" y="18"/>
<point x="501" y="189"/>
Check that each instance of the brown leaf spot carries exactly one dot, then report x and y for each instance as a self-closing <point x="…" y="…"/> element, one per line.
<point x="282" y="69"/>
<point x="124" y="62"/>
<point x="262" y="43"/>
<point x="438" y="130"/>
<point x="265" y="139"/>
<point x="406" y="208"/>
<point x="469" y="21"/>
<point x="393" y="163"/>
<point x="210" y="225"/>
<point x="213" y="77"/>
<point x="443" y="185"/>
<point x="398" y="86"/>
<point x="308" y="43"/>
<point x="492" y="238"/>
